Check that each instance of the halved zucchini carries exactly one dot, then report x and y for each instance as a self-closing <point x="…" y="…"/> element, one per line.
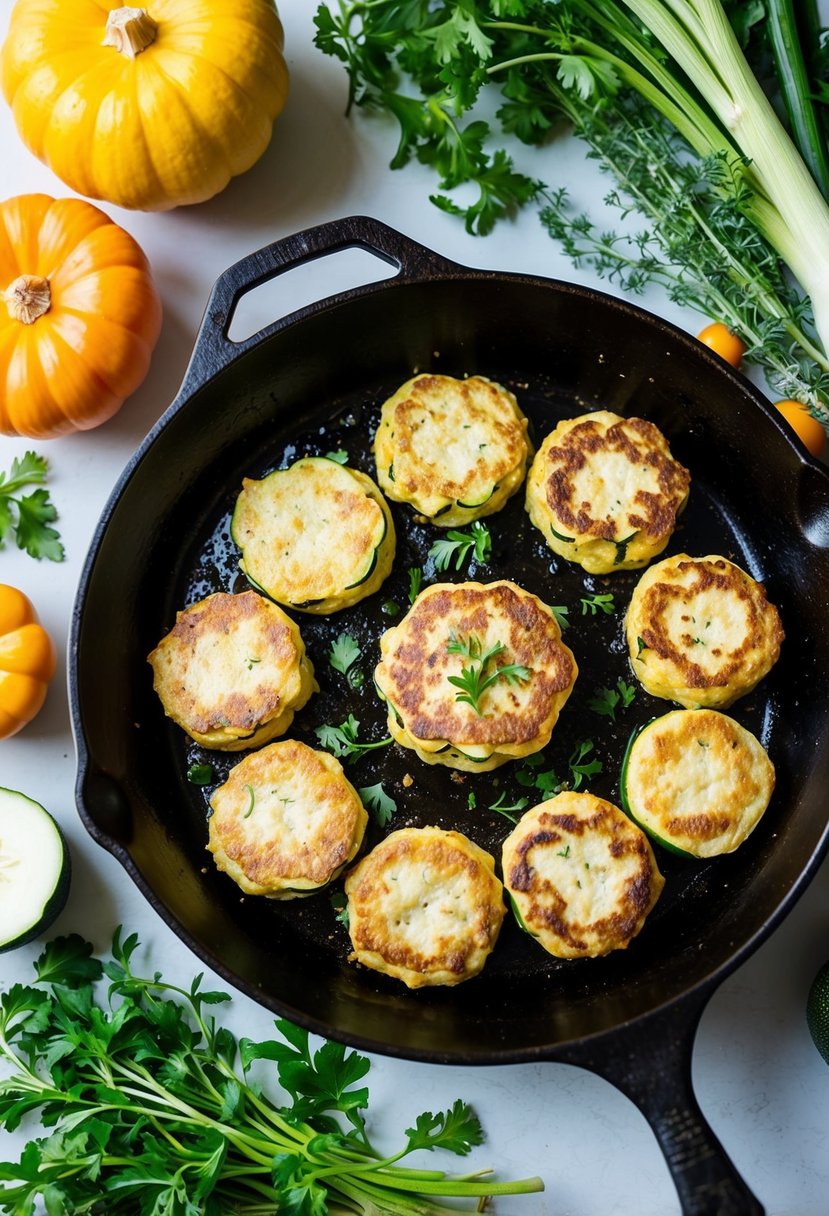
<point x="34" y="869"/>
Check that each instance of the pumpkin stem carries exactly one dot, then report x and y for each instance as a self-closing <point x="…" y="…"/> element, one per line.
<point x="130" y="31"/>
<point x="28" y="298"/>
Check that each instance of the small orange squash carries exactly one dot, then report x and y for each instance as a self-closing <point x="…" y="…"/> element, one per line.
<point x="146" y="108"/>
<point x="79" y="316"/>
<point x="27" y="661"/>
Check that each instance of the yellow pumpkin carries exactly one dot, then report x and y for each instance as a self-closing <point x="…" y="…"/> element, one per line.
<point x="79" y="316"/>
<point x="27" y="661"/>
<point x="146" y="108"/>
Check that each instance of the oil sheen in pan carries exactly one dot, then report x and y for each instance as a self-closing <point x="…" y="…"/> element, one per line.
<point x="441" y="796"/>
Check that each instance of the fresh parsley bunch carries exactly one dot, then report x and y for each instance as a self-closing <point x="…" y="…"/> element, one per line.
<point x="152" y="1111"/>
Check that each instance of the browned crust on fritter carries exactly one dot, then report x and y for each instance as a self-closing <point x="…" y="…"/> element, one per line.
<point x="334" y="817"/>
<point x="548" y="909"/>
<point x="368" y="888"/>
<point x="642" y="443"/>
<point x="531" y="638"/>
<point x="509" y="449"/>
<point x="221" y="614"/>
<point x="764" y="628"/>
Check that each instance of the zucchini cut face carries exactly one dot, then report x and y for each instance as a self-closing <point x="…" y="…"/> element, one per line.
<point x="34" y="870"/>
<point x="317" y="536"/>
<point x="696" y="781"/>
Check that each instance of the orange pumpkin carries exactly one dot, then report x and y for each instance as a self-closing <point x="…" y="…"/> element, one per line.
<point x="147" y="108"/>
<point x="79" y="316"/>
<point x="27" y="661"/>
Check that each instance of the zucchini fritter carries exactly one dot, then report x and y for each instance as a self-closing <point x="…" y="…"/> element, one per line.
<point x="582" y="877"/>
<point x="605" y="492"/>
<point x="700" y="631"/>
<point x="286" y="821"/>
<point x="317" y="536"/>
<point x="481" y="630"/>
<point x="697" y="781"/>
<point x="454" y="450"/>
<point x="232" y="671"/>
<point x="425" y="907"/>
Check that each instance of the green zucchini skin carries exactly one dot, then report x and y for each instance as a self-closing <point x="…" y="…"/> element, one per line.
<point x="624" y="802"/>
<point x="57" y="888"/>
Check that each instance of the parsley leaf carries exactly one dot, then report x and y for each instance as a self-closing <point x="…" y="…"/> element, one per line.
<point x="376" y="800"/>
<point x="29" y="515"/>
<point x="343" y="742"/>
<point x="457" y="1129"/>
<point x="415" y="582"/>
<point x="598" y="603"/>
<point x="503" y="808"/>
<point x="580" y="767"/>
<point x="474" y="679"/>
<point x="343" y="654"/>
<point x="607" y="700"/>
<point x="461" y="546"/>
<point x="339" y="457"/>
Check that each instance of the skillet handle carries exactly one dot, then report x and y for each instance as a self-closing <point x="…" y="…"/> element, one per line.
<point x="650" y="1061"/>
<point x="214" y="350"/>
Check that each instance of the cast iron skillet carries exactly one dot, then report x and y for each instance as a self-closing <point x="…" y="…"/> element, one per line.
<point x="312" y="383"/>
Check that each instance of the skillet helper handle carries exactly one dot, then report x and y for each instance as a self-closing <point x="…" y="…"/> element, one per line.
<point x="650" y="1061"/>
<point x="214" y="350"/>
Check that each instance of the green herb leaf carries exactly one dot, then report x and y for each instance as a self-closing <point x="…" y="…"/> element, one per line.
<point x="29" y="515"/>
<point x="474" y="680"/>
<point x="339" y="457"/>
<point x="456" y="1129"/>
<point x="503" y="808"/>
<point x="415" y="582"/>
<point x="343" y="742"/>
<point x="607" y="700"/>
<point x="376" y="800"/>
<point x="580" y="767"/>
<point x="460" y="546"/>
<point x="200" y="774"/>
<point x="598" y="603"/>
<point x="343" y="654"/>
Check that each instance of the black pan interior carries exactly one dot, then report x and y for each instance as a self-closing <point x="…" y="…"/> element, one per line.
<point x="316" y="386"/>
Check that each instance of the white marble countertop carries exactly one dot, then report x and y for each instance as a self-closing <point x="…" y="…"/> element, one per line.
<point x="756" y="1072"/>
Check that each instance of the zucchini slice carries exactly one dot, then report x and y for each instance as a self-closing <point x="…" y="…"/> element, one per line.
<point x="34" y="870"/>
<point x="624" y="801"/>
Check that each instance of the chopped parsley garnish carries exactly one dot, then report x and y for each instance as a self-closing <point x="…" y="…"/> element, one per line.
<point x="460" y="546"/>
<point x="608" y="700"/>
<point x="343" y="742"/>
<point x="562" y="614"/>
<point x="580" y="767"/>
<point x="415" y="582"/>
<point x="504" y="808"/>
<point x="598" y="603"/>
<point x="376" y="800"/>
<point x="200" y="774"/>
<point x="471" y="801"/>
<point x="340" y="456"/>
<point x="475" y="679"/>
<point x="344" y="653"/>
